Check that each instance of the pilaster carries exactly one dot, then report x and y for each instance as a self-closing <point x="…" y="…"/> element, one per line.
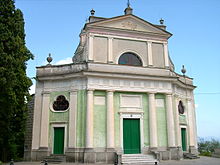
<point x="166" y="56"/>
<point x="149" y="52"/>
<point x="44" y="120"/>
<point x="178" y="133"/>
<point x="91" y="48"/>
<point x="170" y="121"/>
<point x="89" y="119"/>
<point x="110" y="120"/>
<point x="110" y="50"/>
<point x="190" y="123"/>
<point x="72" y="119"/>
<point x="153" y="121"/>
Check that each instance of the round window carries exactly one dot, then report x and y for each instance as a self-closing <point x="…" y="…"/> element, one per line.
<point x="61" y="103"/>
<point x="130" y="59"/>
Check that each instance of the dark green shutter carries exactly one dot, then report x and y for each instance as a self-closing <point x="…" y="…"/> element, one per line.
<point x="183" y="133"/>
<point x="58" y="140"/>
<point x="131" y="136"/>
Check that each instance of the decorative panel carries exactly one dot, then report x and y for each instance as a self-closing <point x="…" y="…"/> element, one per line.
<point x="131" y="101"/>
<point x="99" y="100"/>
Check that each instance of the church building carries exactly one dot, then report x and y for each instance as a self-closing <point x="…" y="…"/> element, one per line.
<point x="119" y="97"/>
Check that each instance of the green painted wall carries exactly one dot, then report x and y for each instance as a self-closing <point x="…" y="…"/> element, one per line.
<point x="161" y="123"/>
<point x="145" y="104"/>
<point x="81" y="118"/>
<point x="100" y="121"/>
<point x="57" y="116"/>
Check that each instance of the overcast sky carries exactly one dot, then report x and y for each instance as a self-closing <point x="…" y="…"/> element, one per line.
<point x="53" y="26"/>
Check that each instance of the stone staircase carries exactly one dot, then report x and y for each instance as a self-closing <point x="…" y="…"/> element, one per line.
<point x="190" y="156"/>
<point x="138" y="159"/>
<point x="56" y="159"/>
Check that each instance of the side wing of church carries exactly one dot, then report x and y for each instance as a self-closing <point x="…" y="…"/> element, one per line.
<point x="120" y="96"/>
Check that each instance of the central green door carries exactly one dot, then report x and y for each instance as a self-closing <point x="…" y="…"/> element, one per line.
<point x="131" y="136"/>
<point x="58" y="146"/>
<point x="183" y="134"/>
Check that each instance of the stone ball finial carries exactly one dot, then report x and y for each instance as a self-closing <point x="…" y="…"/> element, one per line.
<point x="49" y="59"/>
<point x="92" y="12"/>
<point x="161" y="21"/>
<point x="183" y="70"/>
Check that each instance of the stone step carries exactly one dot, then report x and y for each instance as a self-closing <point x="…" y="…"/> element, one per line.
<point x="138" y="159"/>
<point x="190" y="156"/>
<point x="55" y="158"/>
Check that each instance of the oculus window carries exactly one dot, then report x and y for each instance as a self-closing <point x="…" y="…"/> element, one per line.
<point x="130" y="59"/>
<point x="61" y="103"/>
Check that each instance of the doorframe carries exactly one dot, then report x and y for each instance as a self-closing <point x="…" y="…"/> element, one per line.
<point x="56" y="125"/>
<point x="184" y="126"/>
<point x="132" y="116"/>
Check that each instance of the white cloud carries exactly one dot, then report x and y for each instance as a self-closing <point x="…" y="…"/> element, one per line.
<point x="68" y="60"/>
<point x="196" y="105"/>
<point x="32" y="89"/>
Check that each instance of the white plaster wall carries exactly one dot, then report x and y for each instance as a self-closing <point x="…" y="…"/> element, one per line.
<point x="158" y="55"/>
<point x="121" y="46"/>
<point x="37" y="115"/>
<point x="100" y="53"/>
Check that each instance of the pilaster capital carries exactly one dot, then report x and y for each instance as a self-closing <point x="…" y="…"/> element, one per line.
<point x="73" y="91"/>
<point x="91" y="35"/>
<point x="152" y="93"/>
<point x="110" y="91"/>
<point x="45" y="93"/>
<point x="90" y="90"/>
<point x="169" y="94"/>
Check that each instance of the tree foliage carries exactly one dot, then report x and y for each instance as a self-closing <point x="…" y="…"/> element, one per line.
<point x="14" y="83"/>
<point x="206" y="147"/>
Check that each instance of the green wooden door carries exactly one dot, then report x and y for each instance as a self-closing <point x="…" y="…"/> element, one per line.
<point x="183" y="134"/>
<point x="58" y="146"/>
<point x="131" y="136"/>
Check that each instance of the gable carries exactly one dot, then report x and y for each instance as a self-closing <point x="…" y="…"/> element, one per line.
<point x="130" y="22"/>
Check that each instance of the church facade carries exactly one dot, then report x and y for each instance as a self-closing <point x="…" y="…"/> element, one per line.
<point x="120" y="95"/>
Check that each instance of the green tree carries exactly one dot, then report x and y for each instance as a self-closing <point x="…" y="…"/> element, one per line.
<point x="206" y="147"/>
<point x="14" y="83"/>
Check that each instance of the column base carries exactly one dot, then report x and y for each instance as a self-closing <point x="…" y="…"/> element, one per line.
<point x="39" y="154"/>
<point x="193" y="150"/>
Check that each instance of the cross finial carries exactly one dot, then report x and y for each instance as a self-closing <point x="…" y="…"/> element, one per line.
<point x="128" y="3"/>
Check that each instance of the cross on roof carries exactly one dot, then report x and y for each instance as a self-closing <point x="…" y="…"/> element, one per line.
<point x="128" y="3"/>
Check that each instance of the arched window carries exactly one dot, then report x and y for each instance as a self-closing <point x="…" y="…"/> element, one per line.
<point x="61" y="103"/>
<point x="181" y="108"/>
<point x="130" y="59"/>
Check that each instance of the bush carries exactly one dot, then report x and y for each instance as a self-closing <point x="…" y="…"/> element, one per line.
<point x="206" y="147"/>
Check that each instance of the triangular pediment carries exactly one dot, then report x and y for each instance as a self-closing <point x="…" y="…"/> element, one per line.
<point x="130" y="22"/>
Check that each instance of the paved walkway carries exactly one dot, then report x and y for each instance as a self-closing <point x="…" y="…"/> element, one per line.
<point x="202" y="161"/>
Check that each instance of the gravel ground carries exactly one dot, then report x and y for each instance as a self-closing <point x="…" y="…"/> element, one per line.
<point x="202" y="161"/>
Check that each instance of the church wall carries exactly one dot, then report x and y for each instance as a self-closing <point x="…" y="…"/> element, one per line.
<point x="158" y="55"/>
<point x="161" y="120"/>
<point x="37" y="115"/>
<point x="145" y="103"/>
<point x="117" y="119"/>
<point x="145" y="108"/>
<point x="121" y="46"/>
<point x="100" y="119"/>
<point x="100" y="49"/>
<point x="57" y="117"/>
<point x="81" y="118"/>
